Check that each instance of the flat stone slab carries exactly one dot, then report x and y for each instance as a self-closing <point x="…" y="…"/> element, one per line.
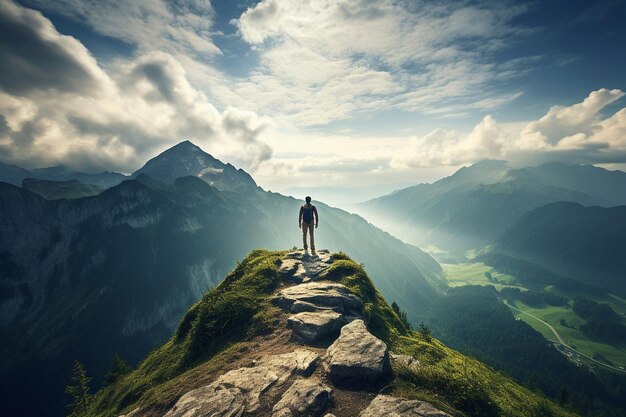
<point x="324" y="294"/>
<point x="313" y="326"/>
<point x="251" y="382"/>
<point x="357" y="354"/>
<point x="299" y="362"/>
<point x="313" y="264"/>
<point x="306" y="397"/>
<point x="292" y="270"/>
<point x="211" y="400"/>
<point x="385" y="405"/>
<point x="288" y="266"/>
<point x="301" y="306"/>
<point x="239" y="390"/>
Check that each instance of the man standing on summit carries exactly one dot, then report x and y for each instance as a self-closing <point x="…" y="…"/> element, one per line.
<point x="305" y="222"/>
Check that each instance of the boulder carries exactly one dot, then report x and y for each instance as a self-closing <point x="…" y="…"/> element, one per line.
<point x="211" y="400"/>
<point x="306" y="397"/>
<point x="299" y="362"/>
<point x="251" y="382"/>
<point x="385" y="405"/>
<point x="324" y="294"/>
<point x="405" y="361"/>
<point x="239" y="390"/>
<point x="357" y="355"/>
<point x="313" y="326"/>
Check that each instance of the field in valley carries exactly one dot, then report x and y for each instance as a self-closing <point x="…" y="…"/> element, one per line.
<point x="562" y="318"/>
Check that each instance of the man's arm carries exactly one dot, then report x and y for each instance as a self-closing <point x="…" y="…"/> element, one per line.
<point x="300" y="218"/>
<point x="317" y="216"/>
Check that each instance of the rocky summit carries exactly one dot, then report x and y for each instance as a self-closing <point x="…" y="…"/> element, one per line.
<point x="292" y="334"/>
<point x="302" y="383"/>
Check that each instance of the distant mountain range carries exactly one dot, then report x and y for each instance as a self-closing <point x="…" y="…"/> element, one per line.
<point x="15" y="175"/>
<point x="57" y="190"/>
<point x="477" y="204"/>
<point x="587" y="244"/>
<point x="90" y="277"/>
<point x="180" y="160"/>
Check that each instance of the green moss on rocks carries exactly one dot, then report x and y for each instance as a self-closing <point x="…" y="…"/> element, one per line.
<point x="239" y="310"/>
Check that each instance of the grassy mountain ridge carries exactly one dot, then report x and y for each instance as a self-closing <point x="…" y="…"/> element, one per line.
<point x="205" y="346"/>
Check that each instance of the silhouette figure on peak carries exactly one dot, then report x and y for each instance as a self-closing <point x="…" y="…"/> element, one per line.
<point x="308" y="215"/>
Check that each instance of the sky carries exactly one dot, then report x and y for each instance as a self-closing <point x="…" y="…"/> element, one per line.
<point x="356" y="96"/>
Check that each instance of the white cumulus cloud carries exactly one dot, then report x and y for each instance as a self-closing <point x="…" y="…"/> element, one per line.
<point x="578" y="133"/>
<point x="76" y="113"/>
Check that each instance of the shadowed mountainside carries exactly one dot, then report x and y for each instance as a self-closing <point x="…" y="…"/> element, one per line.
<point x="587" y="244"/>
<point x="114" y="273"/>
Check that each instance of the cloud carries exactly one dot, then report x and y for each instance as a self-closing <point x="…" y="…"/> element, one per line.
<point x="323" y="61"/>
<point x="42" y="59"/>
<point x="443" y="147"/>
<point x="112" y="119"/>
<point x="172" y="26"/>
<point x="246" y="127"/>
<point x="560" y="122"/>
<point x="577" y="134"/>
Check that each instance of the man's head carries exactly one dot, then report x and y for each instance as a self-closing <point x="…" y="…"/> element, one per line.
<point x="307" y="199"/>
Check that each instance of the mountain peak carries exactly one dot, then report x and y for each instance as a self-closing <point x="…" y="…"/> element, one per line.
<point x="486" y="171"/>
<point x="185" y="145"/>
<point x="187" y="159"/>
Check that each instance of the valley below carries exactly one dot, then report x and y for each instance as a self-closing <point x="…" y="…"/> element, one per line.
<point x="558" y="324"/>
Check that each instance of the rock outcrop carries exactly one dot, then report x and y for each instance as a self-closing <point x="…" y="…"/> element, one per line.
<point x="304" y="397"/>
<point x="358" y="355"/>
<point x="292" y="383"/>
<point x="299" y="267"/>
<point x="324" y="294"/>
<point x="385" y="405"/>
<point x="239" y="390"/>
<point x="211" y="400"/>
<point x="313" y="326"/>
<point x="405" y="361"/>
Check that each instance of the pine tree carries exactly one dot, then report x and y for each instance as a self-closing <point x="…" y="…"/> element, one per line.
<point x="424" y="330"/>
<point x="79" y="390"/>
<point x="402" y="315"/>
<point x="119" y="368"/>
